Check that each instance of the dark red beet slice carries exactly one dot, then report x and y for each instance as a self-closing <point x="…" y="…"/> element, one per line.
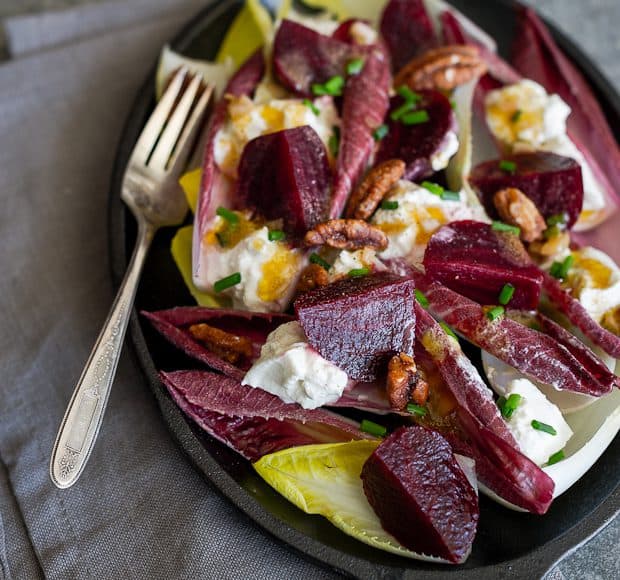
<point x="286" y="175"/>
<point x="476" y="261"/>
<point x="421" y="495"/>
<point x="553" y="182"/>
<point x="302" y="57"/>
<point x="416" y="144"/>
<point x="407" y="30"/>
<point x="359" y="323"/>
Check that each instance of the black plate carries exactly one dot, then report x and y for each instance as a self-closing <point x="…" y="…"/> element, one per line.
<point x="509" y="544"/>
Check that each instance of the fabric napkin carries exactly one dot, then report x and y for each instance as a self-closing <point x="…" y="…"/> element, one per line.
<point x="139" y="510"/>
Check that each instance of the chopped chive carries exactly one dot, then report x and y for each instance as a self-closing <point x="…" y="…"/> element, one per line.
<point x="552" y="232"/>
<point x="506" y="293"/>
<point x="358" y="272"/>
<point x="502" y="227"/>
<point x="355" y="66"/>
<point x="387" y="204"/>
<point x="422" y="300"/>
<point x="380" y="132"/>
<point x="276" y="235"/>
<point x="447" y="195"/>
<point x="501" y="401"/>
<point x="507" y="166"/>
<point x="230" y="216"/>
<point x="495" y="312"/>
<point x="416" y="409"/>
<point x="220" y="239"/>
<point x="560" y="270"/>
<point x="316" y="259"/>
<point x="406" y="93"/>
<point x="415" y="118"/>
<point x="448" y="330"/>
<point x="312" y="106"/>
<point x="227" y="282"/>
<point x="434" y="188"/>
<point x="540" y="426"/>
<point x="556" y="219"/>
<point x="453" y="104"/>
<point x="372" y="428"/>
<point x="334" y="142"/>
<point x="516" y="115"/>
<point x="558" y="456"/>
<point x="332" y="87"/>
<point x="397" y="113"/>
<point x="510" y="405"/>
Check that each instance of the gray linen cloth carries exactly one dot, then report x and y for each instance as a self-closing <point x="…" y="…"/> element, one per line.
<point x="139" y="510"/>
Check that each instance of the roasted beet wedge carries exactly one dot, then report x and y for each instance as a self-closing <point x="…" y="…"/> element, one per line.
<point x="416" y="144"/>
<point x="407" y="30"/>
<point x="303" y="57"/>
<point x="553" y="182"/>
<point x="476" y="261"/>
<point x="421" y="494"/>
<point x="285" y="175"/>
<point x="359" y="323"/>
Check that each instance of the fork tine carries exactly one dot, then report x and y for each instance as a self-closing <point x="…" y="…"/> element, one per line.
<point x="174" y="127"/>
<point x="188" y="136"/>
<point x="150" y="133"/>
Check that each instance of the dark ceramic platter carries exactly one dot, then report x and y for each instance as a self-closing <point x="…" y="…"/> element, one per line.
<point x="509" y="544"/>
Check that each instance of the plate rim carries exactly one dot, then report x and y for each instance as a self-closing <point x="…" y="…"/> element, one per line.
<point x="539" y="560"/>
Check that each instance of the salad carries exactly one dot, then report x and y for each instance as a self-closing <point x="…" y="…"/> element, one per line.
<point x="379" y="188"/>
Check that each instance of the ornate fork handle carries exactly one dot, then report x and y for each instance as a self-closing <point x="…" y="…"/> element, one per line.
<point x="82" y="420"/>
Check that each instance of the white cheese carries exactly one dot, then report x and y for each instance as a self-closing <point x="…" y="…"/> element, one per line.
<point x="362" y="33"/>
<point x="441" y="158"/>
<point x="535" y="444"/>
<point x="347" y="261"/>
<point x="292" y="370"/>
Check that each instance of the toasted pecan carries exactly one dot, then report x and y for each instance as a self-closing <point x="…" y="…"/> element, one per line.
<point x="373" y="188"/>
<point x="225" y="344"/>
<point x="347" y="234"/>
<point x="516" y="208"/>
<point x="313" y="276"/>
<point x="442" y="69"/>
<point x="404" y="382"/>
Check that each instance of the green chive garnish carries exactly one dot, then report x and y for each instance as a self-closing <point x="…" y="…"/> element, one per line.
<point x="508" y="166"/>
<point x="447" y="195"/>
<point x="556" y="219"/>
<point x="560" y="270"/>
<point x="558" y="456"/>
<point x="227" y="282"/>
<point x="397" y="113"/>
<point x="332" y="87"/>
<point x="540" y="426"/>
<point x="380" y="132"/>
<point x="415" y="118"/>
<point x="312" y="106"/>
<point x="495" y="312"/>
<point x="334" y="142"/>
<point x="373" y="428"/>
<point x="501" y="401"/>
<point x="516" y="115"/>
<point x="502" y="227"/>
<point x="220" y="239"/>
<point x="509" y="405"/>
<point x="434" y="188"/>
<point x="453" y="104"/>
<point x="448" y="330"/>
<point x="230" y="216"/>
<point x="416" y="409"/>
<point x="422" y="300"/>
<point x="386" y="204"/>
<point x="552" y="232"/>
<point x="276" y="235"/>
<point x="506" y="293"/>
<point x="354" y="67"/>
<point x="358" y="272"/>
<point x="316" y="259"/>
<point x="406" y="93"/>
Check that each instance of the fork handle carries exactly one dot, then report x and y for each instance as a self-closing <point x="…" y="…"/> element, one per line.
<point x="82" y="421"/>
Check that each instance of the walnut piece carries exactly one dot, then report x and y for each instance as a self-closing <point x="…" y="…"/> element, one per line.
<point x="517" y="209"/>
<point x="442" y="68"/>
<point x="225" y="344"/>
<point x="346" y="234"/>
<point x="404" y="382"/>
<point x="313" y="276"/>
<point x="373" y="188"/>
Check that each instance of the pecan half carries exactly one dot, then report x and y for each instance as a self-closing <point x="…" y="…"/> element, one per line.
<point x="347" y="234"/>
<point x="404" y="382"/>
<point x="517" y="209"/>
<point x="373" y="188"/>
<point x="312" y="277"/>
<point x="225" y="344"/>
<point x="442" y="68"/>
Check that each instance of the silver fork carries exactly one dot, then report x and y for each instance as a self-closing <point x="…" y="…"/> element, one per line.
<point x="150" y="189"/>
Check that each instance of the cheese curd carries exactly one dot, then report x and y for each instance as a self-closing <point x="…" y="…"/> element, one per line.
<point x="523" y="117"/>
<point x="347" y="261"/>
<point x="441" y="157"/>
<point x="292" y="370"/>
<point x="418" y="215"/>
<point x="249" y="119"/>
<point x="536" y="444"/>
